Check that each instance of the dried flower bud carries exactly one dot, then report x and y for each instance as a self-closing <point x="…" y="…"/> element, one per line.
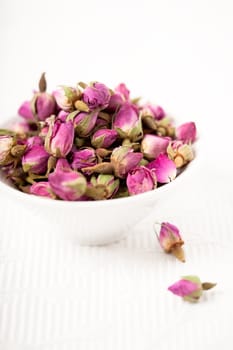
<point x="115" y="102"/>
<point x="34" y="140"/>
<point x="156" y="112"/>
<point x="62" y="115"/>
<point x="6" y="144"/>
<point x="170" y="240"/>
<point x="67" y="184"/>
<point x="152" y="146"/>
<point x="165" y="168"/>
<point x="140" y="180"/>
<point x="186" y="132"/>
<point x="190" y="288"/>
<point x="96" y="96"/>
<point x="43" y="189"/>
<point x="21" y="128"/>
<point x="35" y="160"/>
<point x="102" y="187"/>
<point x="60" y="137"/>
<point x="123" y="91"/>
<point x="103" y="138"/>
<point x="40" y="107"/>
<point x="128" y="123"/>
<point x="180" y="153"/>
<point x="65" y="97"/>
<point x="83" y="158"/>
<point x="84" y="123"/>
<point x="124" y="160"/>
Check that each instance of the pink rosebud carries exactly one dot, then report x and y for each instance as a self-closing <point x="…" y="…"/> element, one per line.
<point x="6" y="145"/>
<point x="170" y="240"/>
<point x="186" y="132"/>
<point x="45" y="105"/>
<point x="67" y="184"/>
<point x="83" y="158"/>
<point x="103" y="186"/>
<point x="115" y="102"/>
<point x="123" y="91"/>
<point x="25" y="111"/>
<point x="65" y="97"/>
<point x="128" y="123"/>
<point x="155" y="111"/>
<point x="62" y="115"/>
<point x="140" y="180"/>
<point x="153" y="145"/>
<point x="124" y="159"/>
<point x="35" y="160"/>
<point x="84" y="123"/>
<point x="40" y="107"/>
<point x="165" y="168"/>
<point x="96" y="96"/>
<point x="43" y="189"/>
<point x="180" y="152"/>
<point x="62" y="164"/>
<point x="34" y="140"/>
<point x="60" y="137"/>
<point x="103" y="138"/>
<point x="190" y="288"/>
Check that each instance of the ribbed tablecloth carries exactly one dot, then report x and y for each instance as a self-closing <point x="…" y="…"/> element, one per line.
<point x="56" y="295"/>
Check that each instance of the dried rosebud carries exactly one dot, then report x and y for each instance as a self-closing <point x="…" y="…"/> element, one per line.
<point x="35" y="160"/>
<point x="25" y="111"/>
<point x="115" y="102"/>
<point x="60" y="138"/>
<point x="6" y="144"/>
<point x="84" y="123"/>
<point x="127" y="122"/>
<point x="65" y="97"/>
<point x="40" y="107"/>
<point x="67" y="184"/>
<point x="62" y="115"/>
<point x="186" y="132"/>
<point x="34" y="140"/>
<point x="181" y="153"/>
<point x="140" y="180"/>
<point x="43" y="189"/>
<point x="156" y="112"/>
<point x="102" y="187"/>
<point x="83" y="158"/>
<point x="123" y="91"/>
<point x="96" y="96"/>
<point x="153" y="145"/>
<point x="103" y="138"/>
<point x="165" y="168"/>
<point x="123" y="159"/>
<point x="190" y="288"/>
<point x="170" y="240"/>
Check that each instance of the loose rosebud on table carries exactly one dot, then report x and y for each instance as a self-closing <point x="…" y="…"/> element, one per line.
<point x="170" y="240"/>
<point x="190" y="288"/>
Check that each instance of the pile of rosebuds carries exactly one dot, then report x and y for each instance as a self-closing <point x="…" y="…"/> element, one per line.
<point x="92" y="143"/>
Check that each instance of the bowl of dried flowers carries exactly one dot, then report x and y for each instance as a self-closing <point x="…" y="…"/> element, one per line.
<point x="91" y="159"/>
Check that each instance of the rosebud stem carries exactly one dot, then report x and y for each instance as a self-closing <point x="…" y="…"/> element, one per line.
<point x="208" y="285"/>
<point x="52" y="161"/>
<point x="178" y="252"/>
<point x="6" y="132"/>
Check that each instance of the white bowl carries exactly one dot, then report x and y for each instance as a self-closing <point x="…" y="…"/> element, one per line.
<point x="96" y="222"/>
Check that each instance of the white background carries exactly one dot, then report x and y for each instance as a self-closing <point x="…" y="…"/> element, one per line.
<point x="178" y="54"/>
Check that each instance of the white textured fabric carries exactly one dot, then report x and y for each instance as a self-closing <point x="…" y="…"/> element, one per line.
<point x="56" y="295"/>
